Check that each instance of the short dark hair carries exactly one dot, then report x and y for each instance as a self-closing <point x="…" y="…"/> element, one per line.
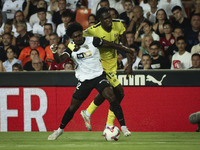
<point x="129" y="32"/>
<point x="66" y="14"/>
<point x="157" y="43"/>
<point x="104" y="1"/>
<point x="34" y="50"/>
<point x="178" y="27"/>
<point x="167" y="23"/>
<point x="17" y="65"/>
<point x="11" y="49"/>
<point x="101" y="11"/>
<point x="176" y="8"/>
<point x="196" y="14"/>
<point x="149" y="23"/>
<point x="8" y="35"/>
<point x="146" y="55"/>
<point x="73" y="27"/>
<point x="116" y="12"/>
<point x="48" y="24"/>
<point x="41" y="10"/>
<point x="128" y="1"/>
<point x="195" y="54"/>
<point x="181" y="38"/>
<point x="53" y="33"/>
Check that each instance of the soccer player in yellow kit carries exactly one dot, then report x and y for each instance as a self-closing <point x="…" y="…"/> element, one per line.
<point x="112" y="31"/>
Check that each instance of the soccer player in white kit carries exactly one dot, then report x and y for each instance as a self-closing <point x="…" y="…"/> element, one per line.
<point x="89" y="72"/>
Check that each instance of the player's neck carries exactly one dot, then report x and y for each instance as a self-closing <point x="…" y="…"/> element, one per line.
<point x="107" y="29"/>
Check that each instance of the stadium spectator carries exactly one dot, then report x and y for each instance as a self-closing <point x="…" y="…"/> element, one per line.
<point x="180" y="20"/>
<point x="61" y="28"/>
<point x="172" y="49"/>
<point x="2" y="69"/>
<point x="148" y="30"/>
<point x="16" y="67"/>
<point x="92" y="18"/>
<point x="68" y="66"/>
<point x="158" y="62"/>
<point x="161" y="17"/>
<point x="34" y="18"/>
<point x="128" y="14"/>
<point x="37" y="64"/>
<point x="34" y="44"/>
<point x="181" y="59"/>
<point x="10" y="7"/>
<point x="62" y="8"/>
<point x="196" y="9"/>
<point x="28" y="66"/>
<point x="167" y="5"/>
<point x="144" y="48"/>
<point x="53" y="6"/>
<point x="54" y="39"/>
<point x="99" y="4"/>
<point x="151" y="15"/>
<point x="23" y="39"/>
<point x="29" y="8"/>
<point x="195" y="61"/>
<point x="168" y="40"/>
<point x="131" y="39"/>
<point x="38" y="28"/>
<point x="19" y="17"/>
<point x="191" y="32"/>
<point x="8" y="29"/>
<point x="6" y="43"/>
<point x="45" y="40"/>
<point x="114" y="14"/>
<point x="1" y="26"/>
<point x="135" y="60"/>
<point x="137" y="20"/>
<point x="10" y="52"/>
<point x="60" y="66"/>
<point x="196" y="48"/>
<point x="145" y="63"/>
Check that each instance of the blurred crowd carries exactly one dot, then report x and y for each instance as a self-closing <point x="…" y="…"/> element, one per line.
<point x="163" y="34"/>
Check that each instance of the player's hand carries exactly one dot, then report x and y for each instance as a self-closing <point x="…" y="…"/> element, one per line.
<point x="76" y="48"/>
<point x="129" y="71"/>
<point x="53" y="48"/>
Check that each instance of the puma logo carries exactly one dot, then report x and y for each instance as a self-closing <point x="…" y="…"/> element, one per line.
<point x="152" y="79"/>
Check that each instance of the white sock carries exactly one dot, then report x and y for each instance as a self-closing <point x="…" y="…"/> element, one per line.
<point x="123" y="127"/>
<point x="108" y="125"/>
<point x="60" y="130"/>
<point x="87" y="114"/>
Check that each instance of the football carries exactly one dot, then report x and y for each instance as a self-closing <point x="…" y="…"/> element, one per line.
<point x="111" y="133"/>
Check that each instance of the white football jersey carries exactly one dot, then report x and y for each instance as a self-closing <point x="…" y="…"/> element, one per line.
<point x="87" y="59"/>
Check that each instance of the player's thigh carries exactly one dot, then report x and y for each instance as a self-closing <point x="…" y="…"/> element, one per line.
<point x="82" y="91"/>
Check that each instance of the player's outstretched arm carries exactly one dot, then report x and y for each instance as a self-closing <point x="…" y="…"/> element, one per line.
<point x="58" y="58"/>
<point x="118" y="47"/>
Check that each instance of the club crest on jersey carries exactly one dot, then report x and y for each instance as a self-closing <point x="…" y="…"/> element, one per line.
<point x="84" y="54"/>
<point x="116" y="35"/>
<point x="86" y="46"/>
<point x="172" y="41"/>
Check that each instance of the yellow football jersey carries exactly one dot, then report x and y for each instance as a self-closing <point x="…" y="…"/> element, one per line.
<point x="108" y="55"/>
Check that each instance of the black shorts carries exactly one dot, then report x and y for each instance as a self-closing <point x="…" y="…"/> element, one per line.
<point x="83" y="89"/>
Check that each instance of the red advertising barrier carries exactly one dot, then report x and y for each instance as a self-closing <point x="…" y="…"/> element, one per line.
<point x="145" y="109"/>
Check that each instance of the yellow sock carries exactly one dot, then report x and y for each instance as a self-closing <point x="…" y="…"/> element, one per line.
<point x="91" y="108"/>
<point x="111" y="118"/>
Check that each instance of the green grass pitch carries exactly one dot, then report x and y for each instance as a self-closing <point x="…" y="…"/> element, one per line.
<point x="95" y="141"/>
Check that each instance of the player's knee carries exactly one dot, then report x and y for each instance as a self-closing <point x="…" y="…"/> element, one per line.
<point x="73" y="108"/>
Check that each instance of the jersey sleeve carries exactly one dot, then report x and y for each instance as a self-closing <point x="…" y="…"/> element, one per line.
<point x="88" y="32"/>
<point x="97" y="42"/>
<point x="122" y="28"/>
<point x="67" y="51"/>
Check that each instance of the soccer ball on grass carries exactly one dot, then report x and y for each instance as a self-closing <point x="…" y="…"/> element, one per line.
<point x="111" y="133"/>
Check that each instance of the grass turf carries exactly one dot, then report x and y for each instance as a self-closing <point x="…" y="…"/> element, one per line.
<point x="95" y="141"/>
